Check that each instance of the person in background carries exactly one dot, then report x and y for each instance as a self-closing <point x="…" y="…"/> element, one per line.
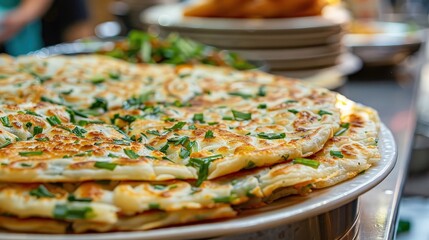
<point x="66" y="21"/>
<point x="20" y="25"/>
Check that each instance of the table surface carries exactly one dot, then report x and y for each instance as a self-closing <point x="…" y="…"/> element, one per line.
<point x="392" y="91"/>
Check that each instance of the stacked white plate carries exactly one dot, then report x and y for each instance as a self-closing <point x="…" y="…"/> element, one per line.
<point x="298" y="47"/>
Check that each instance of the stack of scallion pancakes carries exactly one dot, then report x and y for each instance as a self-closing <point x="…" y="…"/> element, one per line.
<point x="93" y="144"/>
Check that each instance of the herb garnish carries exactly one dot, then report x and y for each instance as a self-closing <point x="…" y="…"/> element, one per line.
<point x="41" y="191"/>
<point x="225" y="199"/>
<point x="33" y="153"/>
<point x="153" y="132"/>
<point x="198" y="117"/>
<point x="294" y="111"/>
<point x="64" y="211"/>
<point x="209" y="134"/>
<point x="164" y="148"/>
<point x="105" y="165"/>
<point x="5" y="121"/>
<point x="73" y="198"/>
<point x="337" y="154"/>
<point x="53" y="120"/>
<point x="203" y="166"/>
<point x="176" y="126"/>
<point x="262" y="91"/>
<point x="265" y="135"/>
<point x="262" y="106"/>
<point x="131" y="154"/>
<point x="241" y="116"/>
<point x="344" y="128"/>
<point x="184" y="153"/>
<point x="78" y="131"/>
<point x="7" y="143"/>
<point x="323" y="112"/>
<point x="99" y="103"/>
<point x="307" y="162"/>
<point x="239" y="94"/>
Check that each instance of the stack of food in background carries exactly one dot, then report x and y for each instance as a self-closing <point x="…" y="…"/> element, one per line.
<point x="295" y="38"/>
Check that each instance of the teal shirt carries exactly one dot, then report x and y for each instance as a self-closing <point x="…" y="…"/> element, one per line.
<point x="28" y="39"/>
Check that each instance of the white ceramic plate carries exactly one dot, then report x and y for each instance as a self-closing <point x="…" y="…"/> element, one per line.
<point x="390" y="43"/>
<point x="171" y="16"/>
<point x="327" y="60"/>
<point x="286" y="210"/>
<point x="264" y="41"/>
<point x="330" y="77"/>
<point x="289" y="53"/>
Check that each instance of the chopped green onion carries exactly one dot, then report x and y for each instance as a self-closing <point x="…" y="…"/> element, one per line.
<point x="67" y="92"/>
<point x="97" y="80"/>
<point x="111" y="155"/>
<point x="79" y="131"/>
<point x="7" y="143"/>
<point x="337" y="154"/>
<point x="115" y="75"/>
<point x="5" y="121"/>
<point x="181" y="140"/>
<point x="323" y="112"/>
<point x="226" y="199"/>
<point x="131" y="154"/>
<point x="105" y="165"/>
<point x="34" y="153"/>
<point x="241" y="116"/>
<point x="184" y="153"/>
<point x="149" y="147"/>
<point x="99" y="103"/>
<point x="250" y="165"/>
<point x="239" y="94"/>
<point x="37" y="130"/>
<point x="264" y="135"/>
<point x="203" y="166"/>
<point x="306" y="162"/>
<point x="128" y="118"/>
<point x="177" y="126"/>
<point x="54" y="120"/>
<point x="209" y="134"/>
<point x="154" y="206"/>
<point x="159" y="187"/>
<point x="198" y="117"/>
<point x="121" y="142"/>
<point x="344" y="128"/>
<point x="73" y="198"/>
<point x="227" y="118"/>
<point x="86" y="122"/>
<point x="64" y="211"/>
<point x="31" y="113"/>
<point x="262" y="106"/>
<point x="41" y="191"/>
<point x="262" y="91"/>
<point x="153" y="132"/>
<point x="290" y="101"/>
<point x="164" y="148"/>
<point x="294" y="111"/>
